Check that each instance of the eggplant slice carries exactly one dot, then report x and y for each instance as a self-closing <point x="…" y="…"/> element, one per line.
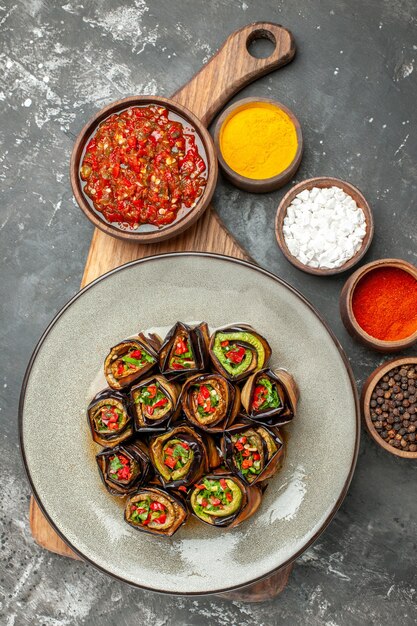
<point x="224" y="500"/>
<point x="109" y="418"/>
<point x="253" y="451"/>
<point x="154" y="510"/>
<point x="210" y="402"/>
<point x="124" y="468"/>
<point x="154" y="404"/>
<point x="181" y="456"/>
<point x="270" y="397"/>
<point x="184" y="351"/>
<point x="130" y="361"/>
<point x="237" y="352"/>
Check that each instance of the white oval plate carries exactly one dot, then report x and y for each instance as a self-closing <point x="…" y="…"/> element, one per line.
<point x="59" y="455"/>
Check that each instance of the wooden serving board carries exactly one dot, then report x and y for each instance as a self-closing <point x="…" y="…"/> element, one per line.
<point x="228" y="71"/>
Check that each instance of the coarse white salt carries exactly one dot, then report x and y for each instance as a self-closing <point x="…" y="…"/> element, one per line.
<point x="324" y="227"/>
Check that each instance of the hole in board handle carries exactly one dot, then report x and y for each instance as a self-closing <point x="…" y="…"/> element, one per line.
<point x="261" y="43"/>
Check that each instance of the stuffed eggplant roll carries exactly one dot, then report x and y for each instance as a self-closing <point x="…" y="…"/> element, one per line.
<point x="253" y="451"/>
<point x="124" y="468"/>
<point x="155" y="511"/>
<point x="154" y="403"/>
<point x="109" y="418"/>
<point x="129" y="361"/>
<point x="270" y="397"/>
<point x="210" y="402"/>
<point x="179" y="456"/>
<point x="184" y="350"/>
<point x="238" y="351"/>
<point x="224" y="500"/>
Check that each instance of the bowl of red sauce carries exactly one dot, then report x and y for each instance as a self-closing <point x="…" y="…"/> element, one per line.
<point x="378" y="305"/>
<point x="143" y="169"/>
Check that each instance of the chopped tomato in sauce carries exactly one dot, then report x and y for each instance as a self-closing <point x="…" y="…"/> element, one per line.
<point x="142" y="167"/>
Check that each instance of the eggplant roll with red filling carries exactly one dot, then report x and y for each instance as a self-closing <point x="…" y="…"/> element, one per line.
<point x="224" y="500"/>
<point x="181" y="456"/>
<point x="154" y="510"/>
<point x="124" y="468"/>
<point x="237" y="352"/>
<point x="253" y="451"/>
<point x="109" y="418"/>
<point x="184" y="351"/>
<point x="210" y="402"/>
<point x="130" y="361"/>
<point x="154" y="403"/>
<point x="270" y="397"/>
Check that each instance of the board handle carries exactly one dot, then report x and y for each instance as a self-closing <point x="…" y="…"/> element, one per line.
<point x="233" y="67"/>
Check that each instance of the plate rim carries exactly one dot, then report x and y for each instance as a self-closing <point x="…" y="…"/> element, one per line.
<point x="338" y="345"/>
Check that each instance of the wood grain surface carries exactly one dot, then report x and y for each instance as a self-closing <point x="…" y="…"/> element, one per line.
<point x="228" y="71"/>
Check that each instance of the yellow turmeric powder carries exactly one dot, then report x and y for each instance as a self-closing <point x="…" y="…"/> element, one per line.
<point x="258" y="140"/>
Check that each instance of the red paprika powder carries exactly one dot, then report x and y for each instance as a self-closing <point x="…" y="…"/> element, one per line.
<point x="384" y="303"/>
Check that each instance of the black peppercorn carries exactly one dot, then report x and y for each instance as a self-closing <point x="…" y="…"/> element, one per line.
<point x="393" y="408"/>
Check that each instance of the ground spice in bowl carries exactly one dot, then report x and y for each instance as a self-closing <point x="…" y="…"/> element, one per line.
<point x="384" y="303"/>
<point x="258" y="140"/>
<point x="393" y="407"/>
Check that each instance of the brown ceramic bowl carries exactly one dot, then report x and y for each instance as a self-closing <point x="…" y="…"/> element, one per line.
<point x="349" y="319"/>
<point x="147" y="234"/>
<point x="251" y="184"/>
<point x="322" y="182"/>
<point x="367" y="391"/>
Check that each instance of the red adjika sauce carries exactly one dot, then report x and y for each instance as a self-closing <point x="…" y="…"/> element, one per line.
<point x="141" y="167"/>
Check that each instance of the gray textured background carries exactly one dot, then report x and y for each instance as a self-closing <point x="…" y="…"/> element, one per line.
<point x="353" y="87"/>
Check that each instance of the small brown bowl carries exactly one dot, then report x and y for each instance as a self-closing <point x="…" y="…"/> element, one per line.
<point x="150" y="234"/>
<point x="367" y="392"/>
<point x="323" y="182"/>
<point x="255" y="185"/>
<point x="346" y="310"/>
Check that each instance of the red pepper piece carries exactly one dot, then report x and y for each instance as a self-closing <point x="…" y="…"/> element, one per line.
<point x="256" y="456"/>
<point x="215" y="501"/>
<point x="180" y="346"/>
<point x="200" y="487"/>
<point x="161" y="519"/>
<point x="170" y="462"/>
<point x="229" y="496"/>
<point x="184" y="445"/>
<point x="147" y="520"/>
<point x="169" y="451"/>
<point x="223" y="484"/>
<point x="245" y="453"/>
<point x="152" y="389"/>
<point x="204" y="391"/>
<point x="149" y="410"/>
<point x="136" y="354"/>
<point x="247" y="463"/>
<point x="115" y="170"/>
<point x="157" y="506"/>
<point x="120" y="368"/>
<point x="182" y="488"/>
<point x="238" y="446"/>
<point x="236" y="355"/>
<point x="123" y="473"/>
<point x="204" y="502"/>
<point x="160" y="402"/>
<point x="224" y="344"/>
